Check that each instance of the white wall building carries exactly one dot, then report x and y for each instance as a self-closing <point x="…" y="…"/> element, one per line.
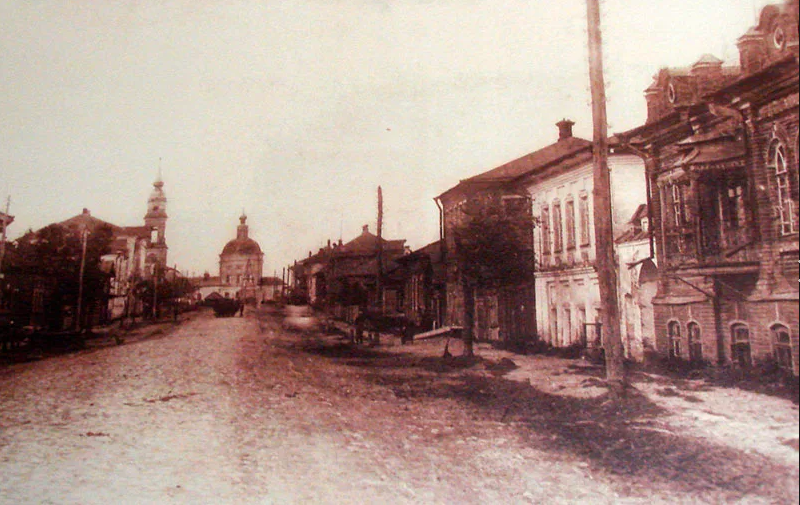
<point x="567" y="291"/>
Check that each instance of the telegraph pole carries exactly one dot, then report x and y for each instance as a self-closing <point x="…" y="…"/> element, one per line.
<point x="380" y="249"/>
<point x="77" y="323"/>
<point x="5" y="224"/>
<point x="603" y="223"/>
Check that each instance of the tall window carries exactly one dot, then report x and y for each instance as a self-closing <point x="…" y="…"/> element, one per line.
<point x="584" y="211"/>
<point x="740" y="345"/>
<point x="735" y="205"/>
<point x="680" y="211"/>
<point x="674" y="335"/>
<point x="545" y="227"/>
<point x="557" y="236"/>
<point x="569" y="209"/>
<point x="785" y="205"/>
<point x="695" y="343"/>
<point x="782" y="342"/>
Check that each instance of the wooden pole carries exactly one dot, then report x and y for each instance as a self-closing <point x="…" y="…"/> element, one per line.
<point x="603" y="223"/>
<point x="79" y="307"/>
<point x="380" y="251"/>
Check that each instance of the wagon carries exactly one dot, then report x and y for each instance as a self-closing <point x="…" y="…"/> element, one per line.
<point x="226" y="307"/>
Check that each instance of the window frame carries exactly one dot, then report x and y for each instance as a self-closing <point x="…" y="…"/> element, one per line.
<point x="558" y="237"/>
<point x="782" y="349"/>
<point x="778" y="164"/>
<point x="695" y="336"/>
<point x="737" y="343"/>
<point x="544" y="217"/>
<point x="674" y="337"/>
<point x="586" y="230"/>
<point x="569" y="220"/>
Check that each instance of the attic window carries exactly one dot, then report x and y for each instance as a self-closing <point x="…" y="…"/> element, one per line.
<point x="779" y="38"/>
<point x="672" y="95"/>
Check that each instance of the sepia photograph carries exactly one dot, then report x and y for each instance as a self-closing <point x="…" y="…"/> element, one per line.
<point x="399" y="252"/>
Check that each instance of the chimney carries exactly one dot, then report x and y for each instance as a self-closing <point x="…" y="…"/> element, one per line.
<point x="365" y="229"/>
<point x="86" y="212"/>
<point x="564" y="129"/>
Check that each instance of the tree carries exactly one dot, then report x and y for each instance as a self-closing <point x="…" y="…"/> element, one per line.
<point x="493" y="248"/>
<point x="56" y="252"/>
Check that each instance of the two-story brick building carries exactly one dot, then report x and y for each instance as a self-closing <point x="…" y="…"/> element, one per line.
<point x="721" y="155"/>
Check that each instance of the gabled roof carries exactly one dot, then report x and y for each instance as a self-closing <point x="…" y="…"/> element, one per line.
<point x="367" y="243"/>
<point x="433" y="251"/>
<point x="633" y="231"/>
<point x="85" y="221"/>
<point x="534" y="161"/>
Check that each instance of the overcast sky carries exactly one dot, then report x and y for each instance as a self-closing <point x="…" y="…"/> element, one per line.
<point x="295" y="111"/>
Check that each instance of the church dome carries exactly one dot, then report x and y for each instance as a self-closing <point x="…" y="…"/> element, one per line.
<point x="241" y="246"/>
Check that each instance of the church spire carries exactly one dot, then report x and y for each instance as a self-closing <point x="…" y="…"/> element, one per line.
<point x="242" y="229"/>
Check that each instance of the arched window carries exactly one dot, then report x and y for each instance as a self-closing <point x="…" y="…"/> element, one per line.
<point x="782" y="343"/>
<point x="674" y="335"/>
<point x="785" y="206"/>
<point x="695" y="343"/>
<point x="740" y="345"/>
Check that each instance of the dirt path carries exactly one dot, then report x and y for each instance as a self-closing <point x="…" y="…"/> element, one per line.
<point x="235" y="410"/>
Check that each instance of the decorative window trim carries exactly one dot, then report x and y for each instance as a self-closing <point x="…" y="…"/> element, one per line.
<point x="695" y="341"/>
<point x="737" y="343"/>
<point x="672" y="94"/>
<point x="569" y="222"/>
<point x="558" y="225"/>
<point x="779" y="38"/>
<point x="674" y="338"/>
<point x="782" y="351"/>
<point x="585" y="217"/>
<point x="777" y="163"/>
<point x="545" y="227"/>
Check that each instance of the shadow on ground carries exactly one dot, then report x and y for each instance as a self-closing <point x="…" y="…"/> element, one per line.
<point x="625" y="438"/>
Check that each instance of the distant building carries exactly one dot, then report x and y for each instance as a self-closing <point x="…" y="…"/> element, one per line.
<point x="423" y="273"/>
<point x="637" y="284"/>
<point x="241" y="263"/>
<point x="135" y="254"/>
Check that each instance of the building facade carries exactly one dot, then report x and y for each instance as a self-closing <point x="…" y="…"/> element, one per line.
<point x="723" y="172"/>
<point x="241" y="263"/>
<point x="568" y="300"/>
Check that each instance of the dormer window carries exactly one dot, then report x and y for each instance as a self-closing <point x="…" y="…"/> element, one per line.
<point x="779" y="38"/>
<point x="672" y="95"/>
<point x="645" y="224"/>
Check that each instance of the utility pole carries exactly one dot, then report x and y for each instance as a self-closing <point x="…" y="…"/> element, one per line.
<point x="79" y="305"/>
<point x="603" y="223"/>
<point x="155" y="290"/>
<point x="6" y="222"/>
<point x="380" y="250"/>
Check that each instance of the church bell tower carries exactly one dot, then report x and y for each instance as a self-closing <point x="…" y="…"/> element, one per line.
<point x="156" y="222"/>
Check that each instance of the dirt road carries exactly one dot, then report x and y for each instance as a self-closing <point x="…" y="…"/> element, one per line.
<point x="235" y="410"/>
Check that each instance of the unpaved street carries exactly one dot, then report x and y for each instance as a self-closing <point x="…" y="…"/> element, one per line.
<point x="235" y="410"/>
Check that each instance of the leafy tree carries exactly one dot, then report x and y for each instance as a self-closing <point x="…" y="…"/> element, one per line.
<point x="56" y="252"/>
<point x="493" y="248"/>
